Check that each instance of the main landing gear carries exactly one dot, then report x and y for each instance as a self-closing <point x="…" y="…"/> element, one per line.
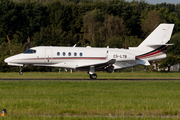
<point x="109" y="68"/>
<point x="91" y="72"/>
<point x="93" y="76"/>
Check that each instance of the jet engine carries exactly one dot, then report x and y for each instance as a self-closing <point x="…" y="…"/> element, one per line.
<point x="109" y="68"/>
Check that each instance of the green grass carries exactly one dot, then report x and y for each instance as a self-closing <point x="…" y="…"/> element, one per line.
<point x="84" y="75"/>
<point x="90" y="99"/>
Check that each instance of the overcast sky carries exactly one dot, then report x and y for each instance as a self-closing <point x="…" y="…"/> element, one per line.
<point x="160" y="1"/>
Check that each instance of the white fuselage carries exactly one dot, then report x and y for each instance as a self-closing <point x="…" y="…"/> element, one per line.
<point x="69" y="57"/>
<point x="74" y="57"/>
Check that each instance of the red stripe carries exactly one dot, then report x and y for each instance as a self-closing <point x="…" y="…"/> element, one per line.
<point x="90" y="58"/>
<point x="153" y="53"/>
<point x="81" y="58"/>
<point x="149" y="54"/>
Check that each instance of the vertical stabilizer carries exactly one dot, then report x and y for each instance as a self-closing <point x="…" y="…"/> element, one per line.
<point x="161" y="35"/>
<point x="155" y="45"/>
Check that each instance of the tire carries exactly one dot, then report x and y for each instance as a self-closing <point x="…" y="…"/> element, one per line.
<point x="93" y="76"/>
<point x="21" y="73"/>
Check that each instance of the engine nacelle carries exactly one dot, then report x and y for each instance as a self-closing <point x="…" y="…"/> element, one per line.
<point x="121" y="55"/>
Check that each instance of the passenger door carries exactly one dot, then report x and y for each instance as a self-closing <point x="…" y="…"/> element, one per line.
<point x="48" y="56"/>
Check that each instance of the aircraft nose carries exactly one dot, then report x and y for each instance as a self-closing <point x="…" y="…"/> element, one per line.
<point x="7" y="60"/>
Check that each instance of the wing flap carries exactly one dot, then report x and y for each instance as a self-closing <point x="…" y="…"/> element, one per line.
<point x="98" y="66"/>
<point x="143" y="62"/>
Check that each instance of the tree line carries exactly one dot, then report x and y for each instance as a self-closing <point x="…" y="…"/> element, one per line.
<point x="97" y="23"/>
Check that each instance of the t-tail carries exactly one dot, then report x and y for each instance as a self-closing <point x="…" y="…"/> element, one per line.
<point x="154" y="46"/>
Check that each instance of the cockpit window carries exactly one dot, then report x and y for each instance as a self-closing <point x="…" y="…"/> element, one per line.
<point x="30" y="51"/>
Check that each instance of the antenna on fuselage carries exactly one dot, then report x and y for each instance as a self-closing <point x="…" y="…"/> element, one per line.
<point x="74" y="45"/>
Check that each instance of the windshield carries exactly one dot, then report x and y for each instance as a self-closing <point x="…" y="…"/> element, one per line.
<point x="30" y="51"/>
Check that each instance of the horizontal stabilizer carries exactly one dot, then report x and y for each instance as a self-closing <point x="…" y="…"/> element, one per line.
<point x="157" y="45"/>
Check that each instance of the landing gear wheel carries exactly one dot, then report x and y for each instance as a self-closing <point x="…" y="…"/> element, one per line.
<point x="21" y="73"/>
<point x="93" y="76"/>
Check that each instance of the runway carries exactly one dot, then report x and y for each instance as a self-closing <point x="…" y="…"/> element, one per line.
<point x="79" y="79"/>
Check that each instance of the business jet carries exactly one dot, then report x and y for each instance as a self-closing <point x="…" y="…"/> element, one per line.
<point x="93" y="59"/>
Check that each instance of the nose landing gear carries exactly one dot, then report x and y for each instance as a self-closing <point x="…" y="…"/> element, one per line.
<point x="21" y="73"/>
<point x="20" y="70"/>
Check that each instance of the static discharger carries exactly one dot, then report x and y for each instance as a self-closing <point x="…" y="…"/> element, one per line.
<point x="3" y="113"/>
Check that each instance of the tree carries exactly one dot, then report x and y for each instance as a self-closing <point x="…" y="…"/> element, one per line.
<point x="112" y="26"/>
<point x="177" y="10"/>
<point x="92" y="20"/>
<point x="169" y="61"/>
<point x="32" y="18"/>
<point x="99" y="28"/>
<point x="175" y="48"/>
<point x="170" y="17"/>
<point x="51" y="36"/>
<point x="65" y="18"/>
<point x="8" y="20"/>
<point x="131" y="41"/>
<point x="116" y="42"/>
<point x="150" y="21"/>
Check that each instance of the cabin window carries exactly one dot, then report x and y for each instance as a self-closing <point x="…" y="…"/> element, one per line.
<point x="81" y="54"/>
<point x="69" y="53"/>
<point x="75" y="54"/>
<point x="64" y="54"/>
<point x="58" y="54"/>
<point x="30" y="51"/>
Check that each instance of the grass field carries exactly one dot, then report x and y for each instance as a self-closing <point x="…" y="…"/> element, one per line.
<point x="101" y="75"/>
<point x="48" y="99"/>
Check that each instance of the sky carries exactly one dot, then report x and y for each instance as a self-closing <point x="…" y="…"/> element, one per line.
<point x="160" y="1"/>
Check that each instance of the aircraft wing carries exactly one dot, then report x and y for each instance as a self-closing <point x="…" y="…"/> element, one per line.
<point x="84" y="65"/>
<point x="98" y="66"/>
